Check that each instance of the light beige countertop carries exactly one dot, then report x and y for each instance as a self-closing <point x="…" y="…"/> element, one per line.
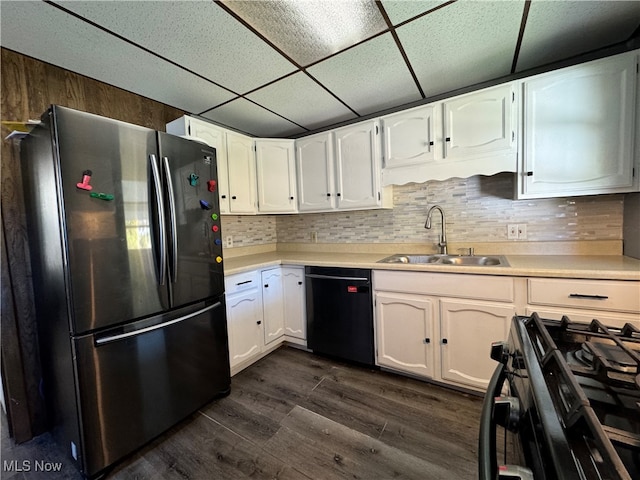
<point x="612" y="267"/>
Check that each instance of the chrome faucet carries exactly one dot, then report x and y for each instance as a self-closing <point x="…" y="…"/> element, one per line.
<point x="442" y="241"/>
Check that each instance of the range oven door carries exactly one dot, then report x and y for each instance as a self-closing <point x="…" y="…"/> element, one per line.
<point x="137" y="381"/>
<point x="499" y="438"/>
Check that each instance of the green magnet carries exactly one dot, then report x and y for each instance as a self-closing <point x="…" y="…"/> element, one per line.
<point x="193" y="180"/>
<point x="102" y="196"/>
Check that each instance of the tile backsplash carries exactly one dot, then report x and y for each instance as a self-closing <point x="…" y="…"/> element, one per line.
<point x="477" y="209"/>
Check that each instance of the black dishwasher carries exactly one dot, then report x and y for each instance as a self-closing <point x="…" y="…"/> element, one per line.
<point x="340" y="313"/>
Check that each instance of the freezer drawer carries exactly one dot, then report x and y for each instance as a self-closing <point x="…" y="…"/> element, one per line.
<point x="136" y="382"/>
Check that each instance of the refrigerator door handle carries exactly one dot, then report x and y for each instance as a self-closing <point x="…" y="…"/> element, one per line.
<point x="155" y="172"/>
<point x="174" y="225"/>
<point x="133" y="333"/>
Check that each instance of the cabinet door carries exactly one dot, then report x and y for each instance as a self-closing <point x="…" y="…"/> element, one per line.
<point x="358" y="166"/>
<point x="272" y="305"/>
<point x="295" y="319"/>
<point x="404" y="333"/>
<point x="242" y="174"/>
<point x="409" y="137"/>
<point x="314" y="160"/>
<point x="276" y="174"/>
<point x="578" y="129"/>
<point x="480" y="123"/>
<point x="216" y="138"/>
<point x="467" y="329"/>
<point x="244" y="318"/>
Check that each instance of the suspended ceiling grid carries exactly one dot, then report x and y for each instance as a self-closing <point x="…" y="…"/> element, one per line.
<point x="271" y="69"/>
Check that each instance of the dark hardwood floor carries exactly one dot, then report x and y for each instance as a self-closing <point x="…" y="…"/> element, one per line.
<point x="295" y="415"/>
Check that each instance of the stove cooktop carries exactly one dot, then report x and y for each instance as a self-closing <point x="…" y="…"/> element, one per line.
<point x="592" y="373"/>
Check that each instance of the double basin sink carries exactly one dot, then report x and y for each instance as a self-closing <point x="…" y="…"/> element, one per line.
<point x="439" y="259"/>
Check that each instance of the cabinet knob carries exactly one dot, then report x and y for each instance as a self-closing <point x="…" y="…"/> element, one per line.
<point x="431" y="143"/>
<point x="290" y="198"/>
<point x="299" y="283"/>
<point x="529" y="174"/>
<point x="233" y="197"/>
<point x="259" y="322"/>
<point x="223" y="196"/>
<point x="445" y="341"/>
<point x="328" y="194"/>
<point x="337" y="194"/>
<point x="266" y="286"/>
<point x="427" y="340"/>
<point x="448" y="139"/>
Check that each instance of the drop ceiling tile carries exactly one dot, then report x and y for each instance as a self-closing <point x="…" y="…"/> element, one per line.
<point x="462" y="44"/>
<point x="369" y="77"/>
<point x="310" y="30"/>
<point x="558" y="30"/>
<point x="198" y="35"/>
<point x="399" y="11"/>
<point x="252" y="119"/>
<point x="44" y="32"/>
<point x="302" y="100"/>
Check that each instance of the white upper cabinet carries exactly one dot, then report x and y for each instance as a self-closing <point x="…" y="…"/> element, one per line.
<point x="314" y="161"/>
<point x="409" y="137"/>
<point x="579" y="130"/>
<point x="214" y="137"/>
<point x="242" y="174"/>
<point x="358" y="166"/>
<point x="481" y="124"/>
<point x="472" y="134"/>
<point x="276" y="175"/>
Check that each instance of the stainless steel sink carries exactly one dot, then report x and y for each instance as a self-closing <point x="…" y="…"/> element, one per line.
<point x="466" y="260"/>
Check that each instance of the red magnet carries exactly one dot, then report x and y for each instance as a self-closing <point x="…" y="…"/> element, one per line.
<point x="86" y="178"/>
<point x="211" y="185"/>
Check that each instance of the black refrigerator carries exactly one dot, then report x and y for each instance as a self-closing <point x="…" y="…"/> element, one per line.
<point x="124" y="228"/>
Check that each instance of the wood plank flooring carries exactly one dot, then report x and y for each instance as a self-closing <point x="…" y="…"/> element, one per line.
<point x="295" y="415"/>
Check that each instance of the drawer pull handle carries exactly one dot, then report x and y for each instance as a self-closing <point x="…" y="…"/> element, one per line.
<point x="590" y="297"/>
<point x="242" y="283"/>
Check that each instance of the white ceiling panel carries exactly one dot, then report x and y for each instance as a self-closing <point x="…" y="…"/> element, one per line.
<point x="196" y="34"/>
<point x="369" y="77"/>
<point x="46" y="33"/>
<point x="561" y="29"/>
<point x="310" y="30"/>
<point x="185" y="52"/>
<point x="247" y="117"/>
<point x="462" y="44"/>
<point x="302" y="100"/>
<point x="401" y="10"/>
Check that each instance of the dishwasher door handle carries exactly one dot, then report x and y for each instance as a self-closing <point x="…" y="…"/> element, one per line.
<point x="336" y="277"/>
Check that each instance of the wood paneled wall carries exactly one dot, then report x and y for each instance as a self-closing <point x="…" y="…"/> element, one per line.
<point x="28" y="88"/>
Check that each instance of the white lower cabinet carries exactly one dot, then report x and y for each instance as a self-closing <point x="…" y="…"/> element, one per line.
<point x="295" y="318"/>
<point x="264" y="308"/>
<point x="422" y="330"/>
<point x="272" y="305"/>
<point x="467" y="329"/>
<point x="400" y="317"/>
<point x="244" y="317"/>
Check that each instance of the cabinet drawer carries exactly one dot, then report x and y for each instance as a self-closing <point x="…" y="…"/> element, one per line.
<point x="241" y="282"/>
<point x="575" y="315"/>
<point x="481" y="287"/>
<point x="605" y="295"/>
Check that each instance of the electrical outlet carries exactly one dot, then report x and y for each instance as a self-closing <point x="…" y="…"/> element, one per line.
<point x="522" y="231"/>
<point x="229" y="241"/>
<point x="314" y="237"/>
<point x="512" y="231"/>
